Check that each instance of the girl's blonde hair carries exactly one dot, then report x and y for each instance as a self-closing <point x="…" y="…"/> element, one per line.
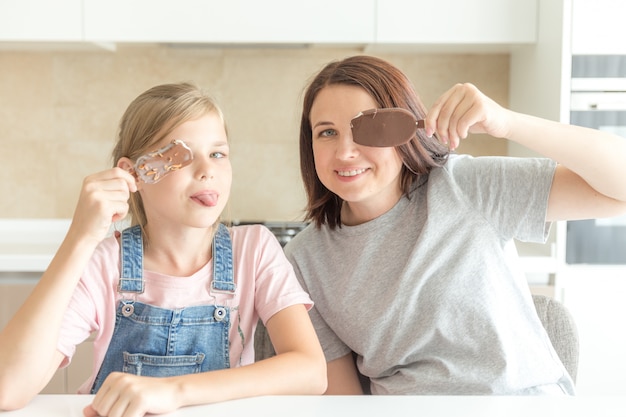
<point x="151" y="117"/>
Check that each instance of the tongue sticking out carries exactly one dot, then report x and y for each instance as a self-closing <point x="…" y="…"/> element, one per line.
<point x="206" y="199"/>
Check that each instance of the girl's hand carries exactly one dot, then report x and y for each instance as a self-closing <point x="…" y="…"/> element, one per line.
<point x="464" y="109"/>
<point x="103" y="199"/>
<point x="125" y="395"/>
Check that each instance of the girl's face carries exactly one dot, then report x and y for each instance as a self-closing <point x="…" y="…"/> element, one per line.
<point x="196" y="194"/>
<point x="367" y="178"/>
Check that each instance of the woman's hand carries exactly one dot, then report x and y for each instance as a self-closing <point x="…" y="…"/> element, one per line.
<point x="582" y="188"/>
<point x="464" y="109"/>
<point x="103" y="199"/>
<point x="125" y="395"/>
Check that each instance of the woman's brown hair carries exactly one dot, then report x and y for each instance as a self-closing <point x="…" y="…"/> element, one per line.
<point x="389" y="87"/>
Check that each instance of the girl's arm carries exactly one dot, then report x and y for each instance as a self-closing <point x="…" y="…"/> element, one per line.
<point x="343" y="377"/>
<point x="299" y="367"/>
<point x="589" y="181"/>
<point x="28" y="344"/>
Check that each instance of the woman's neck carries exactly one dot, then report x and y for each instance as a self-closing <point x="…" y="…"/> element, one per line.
<point x="359" y="212"/>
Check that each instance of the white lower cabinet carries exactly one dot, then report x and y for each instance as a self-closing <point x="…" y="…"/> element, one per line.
<point x="67" y="380"/>
<point x="595" y="296"/>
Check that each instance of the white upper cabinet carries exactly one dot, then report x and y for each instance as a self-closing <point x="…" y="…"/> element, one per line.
<point x="598" y="27"/>
<point x="41" y="21"/>
<point x="456" y="22"/>
<point x="232" y="21"/>
<point x="482" y="23"/>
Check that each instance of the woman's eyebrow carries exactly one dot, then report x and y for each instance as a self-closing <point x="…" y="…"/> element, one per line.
<point x="322" y="123"/>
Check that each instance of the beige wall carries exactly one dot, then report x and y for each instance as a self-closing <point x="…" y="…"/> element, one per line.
<point x="59" y="113"/>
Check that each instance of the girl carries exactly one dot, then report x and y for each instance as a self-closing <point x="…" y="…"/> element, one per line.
<point x="177" y="295"/>
<point x="407" y="257"/>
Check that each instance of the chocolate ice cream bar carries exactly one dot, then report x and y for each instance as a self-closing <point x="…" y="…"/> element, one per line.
<point x="152" y="167"/>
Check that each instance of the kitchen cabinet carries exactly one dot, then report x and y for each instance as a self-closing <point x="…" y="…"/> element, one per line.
<point x="480" y="24"/>
<point x="456" y="22"/>
<point x="26" y="248"/>
<point x="595" y="297"/>
<point x="540" y="84"/>
<point x="13" y="293"/>
<point x="37" y="20"/>
<point x="236" y="21"/>
<point x="598" y="27"/>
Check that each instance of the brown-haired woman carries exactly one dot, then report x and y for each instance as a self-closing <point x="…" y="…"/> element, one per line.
<point x="410" y="257"/>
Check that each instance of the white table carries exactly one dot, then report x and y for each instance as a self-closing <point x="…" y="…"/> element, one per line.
<point x="362" y="406"/>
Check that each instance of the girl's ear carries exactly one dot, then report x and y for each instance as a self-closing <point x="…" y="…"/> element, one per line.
<point x="127" y="165"/>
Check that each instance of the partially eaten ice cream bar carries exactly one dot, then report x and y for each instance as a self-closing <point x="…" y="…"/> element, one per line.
<point x="152" y="167"/>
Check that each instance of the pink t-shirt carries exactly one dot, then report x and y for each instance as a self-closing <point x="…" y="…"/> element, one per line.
<point x="265" y="283"/>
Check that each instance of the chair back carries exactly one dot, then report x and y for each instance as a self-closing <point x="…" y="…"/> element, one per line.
<point x="561" y="329"/>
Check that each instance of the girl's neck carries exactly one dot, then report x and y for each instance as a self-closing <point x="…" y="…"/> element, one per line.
<point x="181" y="253"/>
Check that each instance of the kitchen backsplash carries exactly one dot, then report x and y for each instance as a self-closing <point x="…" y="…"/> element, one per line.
<point x="60" y="111"/>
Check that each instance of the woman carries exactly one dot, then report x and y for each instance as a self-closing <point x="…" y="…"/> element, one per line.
<point x="408" y="254"/>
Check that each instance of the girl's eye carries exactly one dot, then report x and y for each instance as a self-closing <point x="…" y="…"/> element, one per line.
<point x="218" y="155"/>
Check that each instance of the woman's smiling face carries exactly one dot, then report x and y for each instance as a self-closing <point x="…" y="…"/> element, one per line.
<point x="367" y="178"/>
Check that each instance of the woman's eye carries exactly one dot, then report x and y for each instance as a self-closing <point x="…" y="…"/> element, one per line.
<point x="326" y="133"/>
<point x="218" y="155"/>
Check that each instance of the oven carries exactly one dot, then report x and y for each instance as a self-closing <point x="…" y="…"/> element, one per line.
<point x="283" y="230"/>
<point x="598" y="100"/>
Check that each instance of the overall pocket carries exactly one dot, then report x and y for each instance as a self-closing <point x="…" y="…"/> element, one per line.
<point x="162" y="366"/>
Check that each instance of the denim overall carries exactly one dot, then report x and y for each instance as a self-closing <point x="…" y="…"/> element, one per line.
<point x="153" y="341"/>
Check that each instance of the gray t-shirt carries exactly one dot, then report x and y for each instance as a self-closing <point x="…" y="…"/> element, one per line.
<point x="428" y="296"/>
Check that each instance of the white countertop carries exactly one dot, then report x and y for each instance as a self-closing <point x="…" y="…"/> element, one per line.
<point x="363" y="406"/>
<point x="26" y="258"/>
<point x="28" y="245"/>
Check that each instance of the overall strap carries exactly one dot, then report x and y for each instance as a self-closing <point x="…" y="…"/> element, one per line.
<point x="223" y="280"/>
<point x="131" y="261"/>
<point x="131" y="279"/>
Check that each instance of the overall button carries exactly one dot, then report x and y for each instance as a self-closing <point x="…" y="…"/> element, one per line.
<point x="128" y="310"/>
<point x="219" y="314"/>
